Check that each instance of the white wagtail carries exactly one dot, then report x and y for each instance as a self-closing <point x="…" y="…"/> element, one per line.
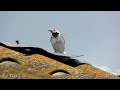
<point x="17" y="41"/>
<point x="57" y="41"/>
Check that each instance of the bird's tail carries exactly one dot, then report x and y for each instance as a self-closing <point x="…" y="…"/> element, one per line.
<point x="77" y="56"/>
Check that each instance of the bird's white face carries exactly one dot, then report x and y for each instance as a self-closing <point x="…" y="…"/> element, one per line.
<point x="54" y="31"/>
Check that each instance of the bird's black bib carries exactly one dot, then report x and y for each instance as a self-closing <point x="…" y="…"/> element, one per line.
<point x="55" y="34"/>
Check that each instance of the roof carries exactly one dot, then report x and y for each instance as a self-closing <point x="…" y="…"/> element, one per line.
<point x="37" y="63"/>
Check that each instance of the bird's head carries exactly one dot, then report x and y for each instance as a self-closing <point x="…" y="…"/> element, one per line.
<point x="54" y="32"/>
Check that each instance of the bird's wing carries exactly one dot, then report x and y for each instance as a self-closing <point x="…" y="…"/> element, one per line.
<point x="63" y="41"/>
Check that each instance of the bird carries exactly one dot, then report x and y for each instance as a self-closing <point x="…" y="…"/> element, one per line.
<point x="57" y="40"/>
<point x="17" y="44"/>
<point x="17" y="41"/>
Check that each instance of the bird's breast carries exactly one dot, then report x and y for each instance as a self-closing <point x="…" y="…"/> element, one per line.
<point x="55" y="40"/>
<point x="58" y="44"/>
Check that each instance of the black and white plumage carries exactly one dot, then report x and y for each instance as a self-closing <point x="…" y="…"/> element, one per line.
<point x="57" y="41"/>
<point x="17" y="41"/>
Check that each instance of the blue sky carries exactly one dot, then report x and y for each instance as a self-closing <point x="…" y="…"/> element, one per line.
<point x="95" y="34"/>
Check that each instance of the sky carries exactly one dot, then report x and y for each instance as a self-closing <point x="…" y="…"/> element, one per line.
<point x="94" y="34"/>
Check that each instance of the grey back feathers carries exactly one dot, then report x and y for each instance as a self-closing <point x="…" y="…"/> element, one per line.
<point x="57" y="41"/>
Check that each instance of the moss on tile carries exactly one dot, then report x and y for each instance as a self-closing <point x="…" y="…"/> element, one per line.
<point x="39" y="67"/>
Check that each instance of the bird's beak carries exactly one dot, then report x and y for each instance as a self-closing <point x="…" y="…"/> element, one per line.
<point x="50" y="30"/>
